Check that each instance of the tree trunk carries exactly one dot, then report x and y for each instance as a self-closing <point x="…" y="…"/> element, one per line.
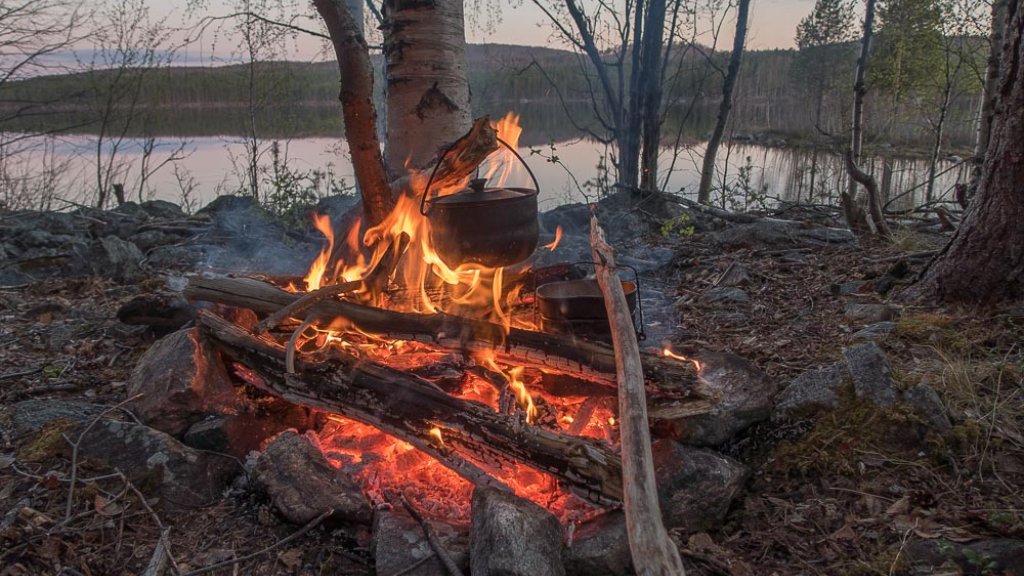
<point x="355" y="7"/>
<point x="651" y="92"/>
<point x="984" y="261"/>
<point x="856" y="219"/>
<point x="988" y="98"/>
<point x="708" y="170"/>
<point x="358" y="108"/>
<point x="940" y="126"/>
<point x="427" y="83"/>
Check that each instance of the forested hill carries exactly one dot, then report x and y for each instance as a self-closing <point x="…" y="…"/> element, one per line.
<point x="291" y="82"/>
<point x="775" y="94"/>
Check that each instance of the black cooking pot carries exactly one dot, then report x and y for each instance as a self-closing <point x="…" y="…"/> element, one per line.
<point x="479" y="225"/>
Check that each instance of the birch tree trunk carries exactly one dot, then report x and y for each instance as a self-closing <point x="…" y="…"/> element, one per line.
<point x="708" y="170"/>
<point x="427" y="84"/>
<point x="984" y="261"/>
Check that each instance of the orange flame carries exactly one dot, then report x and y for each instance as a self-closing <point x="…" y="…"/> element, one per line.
<point x="436" y="437"/>
<point x="558" y="238"/>
<point x="668" y="353"/>
<point x="314" y="278"/>
<point x="515" y="382"/>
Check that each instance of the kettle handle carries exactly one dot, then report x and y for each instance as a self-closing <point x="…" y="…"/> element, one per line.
<point x="430" y="181"/>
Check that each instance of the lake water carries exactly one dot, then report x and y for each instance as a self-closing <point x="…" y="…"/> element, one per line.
<point x="569" y="170"/>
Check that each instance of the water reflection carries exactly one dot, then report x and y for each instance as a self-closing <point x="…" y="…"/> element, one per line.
<point x="569" y="168"/>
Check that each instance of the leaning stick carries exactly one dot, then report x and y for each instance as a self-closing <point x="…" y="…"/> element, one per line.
<point x="654" y="553"/>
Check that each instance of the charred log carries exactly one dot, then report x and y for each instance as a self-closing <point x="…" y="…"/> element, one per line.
<point x="552" y="352"/>
<point x="408" y="407"/>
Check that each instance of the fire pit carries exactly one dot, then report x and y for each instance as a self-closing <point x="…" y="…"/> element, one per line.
<point x="432" y="380"/>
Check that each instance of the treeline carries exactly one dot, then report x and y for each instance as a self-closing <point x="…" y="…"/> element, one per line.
<point x="778" y="94"/>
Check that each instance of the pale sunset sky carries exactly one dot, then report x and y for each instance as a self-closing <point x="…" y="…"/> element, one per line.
<point x="772" y="25"/>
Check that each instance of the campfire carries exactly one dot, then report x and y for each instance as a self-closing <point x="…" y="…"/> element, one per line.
<point x="433" y="375"/>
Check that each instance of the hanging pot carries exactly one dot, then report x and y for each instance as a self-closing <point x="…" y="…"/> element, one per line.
<point x="479" y="225"/>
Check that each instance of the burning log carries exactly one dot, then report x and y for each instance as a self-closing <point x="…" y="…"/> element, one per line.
<point x="551" y="352"/>
<point x="408" y="408"/>
<point x="462" y="159"/>
<point x="653" y="551"/>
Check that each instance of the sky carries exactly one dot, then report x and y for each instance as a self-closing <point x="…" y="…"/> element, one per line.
<point x="772" y="25"/>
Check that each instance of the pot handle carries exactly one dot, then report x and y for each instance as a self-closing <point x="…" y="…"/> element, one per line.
<point x="430" y="181"/>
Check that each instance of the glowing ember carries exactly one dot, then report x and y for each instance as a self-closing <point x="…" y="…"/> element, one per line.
<point x="668" y="353"/>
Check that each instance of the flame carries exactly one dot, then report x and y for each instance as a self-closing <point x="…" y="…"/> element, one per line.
<point x="436" y="437"/>
<point x="513" y="377"/>
<point x="314" y="277"/>
<point x="424" y="283"/>
<point x="427" y="283"/>
<point x="668" y="353"/>
<point x="558" y="238"/>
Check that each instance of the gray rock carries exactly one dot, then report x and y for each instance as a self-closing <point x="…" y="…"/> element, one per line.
<point x="511" y="536"/>
<point x="184" y="478"/>
<point x="725" y="295"/>
<point x="600" y="547"/>
<point x="871" y="374"/>
<point x="772" y="233"/>
<point x="121" y="260"/>
<point x="303" y="485"/>
<point x="149" y="239"/>
<point x="926" y="404"/>
<point x="162" y="209"/>
<point x="399" y="542"/>
<point x="695" y="486"/>
<point x="156" y="462"/>
<point x="172" y="257"/>
<point x="29" y="416"/>
<point x="1002" y="556"/>
<point x="745" y="396"/>
<point x="864" y="314"/>
<point x="182" y="381"/>
<point x="875" y="331"/>
<point x="811" y="392"/>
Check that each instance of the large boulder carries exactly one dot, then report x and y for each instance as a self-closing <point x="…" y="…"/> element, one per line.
<point x="772" y="233"/>
<point x="511" y="536"/>
<point x="743" y="394"/>
<point x="695" y="486"/>
<point x="600" y="547"/>
<point x="157" y="463"/>
<point x="303" y="485"/>
<point x="399" y="543"/>
<point x="811" y="392"/>
<point x="871" y="374"/>
<point x="182" y="381"/>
